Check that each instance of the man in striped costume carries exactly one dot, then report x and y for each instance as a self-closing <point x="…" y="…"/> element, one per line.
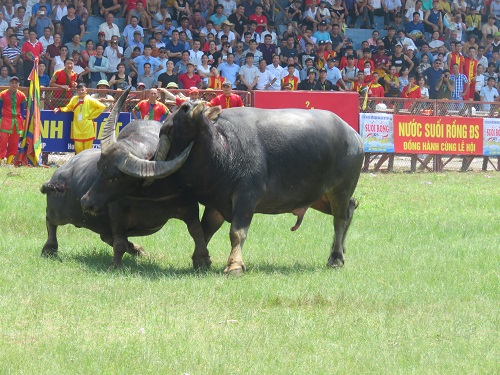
<point x="227" y="99"/>
<point x="150" y="109"/>
<point x="13" y="110"/>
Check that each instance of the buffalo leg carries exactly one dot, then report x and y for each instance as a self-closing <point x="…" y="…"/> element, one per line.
<point x="242" y="217"/>
<point x="342" y="215"/>
<point x="51" y="246"/>
<point x="211" y="222"/>
<point x="117" y="218"/>
<point x="132" y="248"/>
<point x="201" y="257"/>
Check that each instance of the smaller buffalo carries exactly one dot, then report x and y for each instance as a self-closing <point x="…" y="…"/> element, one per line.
<point x="136" y="209"/>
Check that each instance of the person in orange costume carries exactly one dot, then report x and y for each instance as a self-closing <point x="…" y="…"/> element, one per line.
<point x="13" y="110"/>
<point x="227" y="99"/>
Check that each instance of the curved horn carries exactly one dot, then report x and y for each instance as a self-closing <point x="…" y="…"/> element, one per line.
<point x="163" y="148"/>
<point x="140" y="168"/>
<point x="108" y="132"/>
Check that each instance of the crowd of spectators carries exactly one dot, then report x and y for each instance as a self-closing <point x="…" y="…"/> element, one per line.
<point x="433" y="48"/>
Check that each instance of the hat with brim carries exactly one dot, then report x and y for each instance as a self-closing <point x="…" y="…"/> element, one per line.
<point x="227" y="83"/>
<point x="100" y="33"/>
<point x="497" y="34"/>
<point x="141" y="84"/>
<point x="172" y="85"/>
<point x="14" y="78"/>
<point x="193" y="90"/>
<point x="226" y="22"/>
<point x="103" y="82"/>
<point x="311" y="71"/>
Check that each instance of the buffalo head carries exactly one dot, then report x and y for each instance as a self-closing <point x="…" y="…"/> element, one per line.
<point x="125" y="163"/>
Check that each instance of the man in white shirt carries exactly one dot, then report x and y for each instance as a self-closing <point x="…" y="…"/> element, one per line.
<point x="229" y="7"/>
<point x="109" y="28"/>
<point x="195" y="54"/>
<point x="46" y="39"/>
<point x="3" y="25"/>
<point x="225" y="30"/>
<point x="114" y="54"/>
<point x="276" y="69"/>
<point x="249" y="74"/>
<point x="266" y="78"/>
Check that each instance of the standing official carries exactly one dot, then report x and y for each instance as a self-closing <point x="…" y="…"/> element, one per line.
<point x="13" y="110"/>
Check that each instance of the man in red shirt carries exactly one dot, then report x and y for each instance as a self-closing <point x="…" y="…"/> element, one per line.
<point x="227" y="99"/>
<point x="13" y="111"/>
<point x="31" y="48"/>
<point x="259" y="18"/>
<point x="64" y="79"/>
<point x="150" y="109"/>
<point x="190" y="78"/>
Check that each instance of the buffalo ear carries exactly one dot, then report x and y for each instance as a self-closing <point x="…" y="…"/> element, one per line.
<point x="197" y="110"/>
<point x="213" y="113"/>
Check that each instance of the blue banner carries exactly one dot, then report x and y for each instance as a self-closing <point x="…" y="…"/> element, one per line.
<point x="56" y="130"/>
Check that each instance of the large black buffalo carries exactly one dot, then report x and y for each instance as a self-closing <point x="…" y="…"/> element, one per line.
<point x="123" y="206"/>
<point x="248" y="160"/>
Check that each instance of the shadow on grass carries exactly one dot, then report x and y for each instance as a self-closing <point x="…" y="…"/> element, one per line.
<point x="99" y="261"/>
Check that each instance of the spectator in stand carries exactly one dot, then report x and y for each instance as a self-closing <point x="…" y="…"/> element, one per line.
<point x="43" y="78"/>
<point x="114" y="54"/>
<point x="310" y="83"/>
<point x="480" y="82"/>
<point x="196" y="23"/>
<point x="470" y="70"/>
<point x="227" y="99"/>
<point x="412" y="90"/>
<point x="158" y="19"/>
<point x="350" y="72"/>
<point x="101" y="40"/>
<point x="4" y="76"/>
<point x="209" y="29"/>
<point x="143" y="18"/>
<point x="120" y="80"/>
<point x="46" y="39"/>
<point x="229" y="7"/>
<point x="181" y="9"/>
<point x="249" y="74"/>
<point x="137" y="64"/>
<point x="360" y="85"/>
<point x="289" y="50"/>
<point x="412" y="9"/>
<point x="184" y="23"/>
<point x="445" y="86"/>
<point x="415" y="29"/>
<point x="252" y="27"/>
<point x="72" y="25"/>
<point x="267" y="49"/>
<point x="31" y="49"/>
<point x="74" y="44"/>
<point x="375" y="89"/>
<point x="257" y="55"/>
<point x="82" y="12"/>
<point x="225" y="30"/>
<point x="167" y="77"/>
<point x="391" y="83"/>
<point x="60" y="10"/>
<point x="489" y="27"/>
<point x="181" y="66"/>
<point x="203" y="70"/>
<point x="147" y="78"/>
<point x="4" y="25"/>
<point x="108" y="6"/>
<point x="239" y="21"/>
<point x="433" y="19"/>
<point x="9" y="11"/>
<point x="322" y="34"/>
<point x="218" y="17"/>
<point x="175" y="47"/>
<point x="260" y="18"/>
<point x="215" y="80"/>
<point x="166" y="31"/>
<point x="294" y="12"/>
<point x="130" y="30"/>
<point x="239" y="55"/>
<point x="334" y="75"/>
<point x="290" y="78"/>
<point x="103" y="96"/>
<point x="266" y="78"/>
<point x="40" y="21"/>
<point x="12" y="56"/>
<point x="206" y="7"/>
<point x="277" y="70"/>
<point x="98" y="66"/>
<point x="109" y="28"/>
<point x="18" y="23"/>
<point x="303" y="72"/>
<point x="230" y="70"/>
<point x="190" y="78"/>
<point x="136" y="42"/>
<point x="461" y="83"/>
<point x="456" y="57"/>
<point x="324" y="84"/>
<point x="489" y="93"/>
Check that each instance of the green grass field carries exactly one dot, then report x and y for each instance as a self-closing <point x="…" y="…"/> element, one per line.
<point x="419" y="293"/>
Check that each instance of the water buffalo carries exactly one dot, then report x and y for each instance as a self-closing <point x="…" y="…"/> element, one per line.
<point x="248" y="160"/>
<point x="123" y="206"/>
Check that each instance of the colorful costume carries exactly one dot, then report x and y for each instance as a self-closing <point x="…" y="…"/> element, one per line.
<point x="470" y="68"/>
<point x="457" y="58"/>
<point x="63" y="79"/>
<point x="150" y="111"/>
<point x="294" y="81"/>
<point x="224" y="101"/>
<point x="13" y="109"/>
<point x="83" y="128"/>
<point x="215" y="82"/>
<point x="413" y="93"/>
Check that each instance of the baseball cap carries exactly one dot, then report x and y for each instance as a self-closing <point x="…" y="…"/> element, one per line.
<point x="14" y="78"/>
<point x="141" y="84"/>
<point x="311" y="70"/>
<point x="193" y="90"/>
<point x="100" y="33"/>
<point x="227" y="83"/>
<point x="135" y="32"/>
<point x="348" y="40"/>
<point x="322" y="23"/>
<point x="399" y="45"/>
<point x="172" y="85"/>
<point x="322" y="70"/>
<point x="321" y="42"/>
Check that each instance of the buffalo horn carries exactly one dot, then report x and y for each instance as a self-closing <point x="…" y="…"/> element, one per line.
<point x="108" y="132"/>
<point x="140" y="168"/>
<point x="163" y="148"/>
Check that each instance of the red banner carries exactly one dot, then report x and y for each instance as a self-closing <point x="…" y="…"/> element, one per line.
<point x="344" y="104"/>
<point x="438" y="135"/>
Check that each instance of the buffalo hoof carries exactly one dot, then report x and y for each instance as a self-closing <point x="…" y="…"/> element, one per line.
<point x="336" y="261"/>
<point x="137" y="250"/>
<point x="235" y="270"/>
<point x="200" y="263"/>
<point x="49" y="252"/>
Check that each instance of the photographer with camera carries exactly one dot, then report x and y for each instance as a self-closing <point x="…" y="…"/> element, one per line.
<point x="445" y="86"/>
<point x="114" y="53"/>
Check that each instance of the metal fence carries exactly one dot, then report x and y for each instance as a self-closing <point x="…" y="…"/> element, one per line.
<point x="431" y="163"/>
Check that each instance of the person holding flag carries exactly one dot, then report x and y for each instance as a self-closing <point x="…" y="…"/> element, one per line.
<point x="85" y="110"/>
<point x="13" y="112"/>
<point x="151" y="109"/>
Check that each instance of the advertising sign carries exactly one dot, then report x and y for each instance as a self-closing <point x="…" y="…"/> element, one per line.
<point x="438" y="135"/>
<point x="491" y="134"/>
<point x="377" y="131"/>
<point x="344" y="104"/>
<point x="56" y="130"/>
